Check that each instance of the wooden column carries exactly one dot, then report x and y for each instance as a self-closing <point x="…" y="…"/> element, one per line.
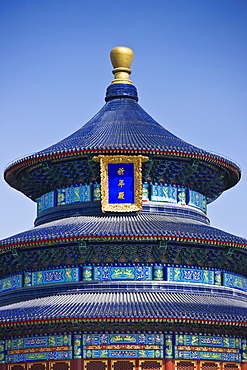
<point x="169" y="364"/>
<point x="77" y="364"/>
<point x="244" y="366"/>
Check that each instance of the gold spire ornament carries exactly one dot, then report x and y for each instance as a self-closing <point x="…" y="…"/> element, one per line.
<point x="121" y="58"/>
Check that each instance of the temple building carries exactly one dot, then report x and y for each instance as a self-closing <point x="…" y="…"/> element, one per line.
<point x="122" y="269"/>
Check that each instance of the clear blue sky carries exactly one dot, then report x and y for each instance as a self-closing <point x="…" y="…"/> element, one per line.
<point x="189" y="68"/>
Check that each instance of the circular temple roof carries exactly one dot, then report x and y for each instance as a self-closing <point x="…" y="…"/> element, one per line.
<point x="120" y="306"/>
<point x="122" y="127"/>
<point x="112" y="227"/>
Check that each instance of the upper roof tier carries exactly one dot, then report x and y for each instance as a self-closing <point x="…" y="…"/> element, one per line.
<point x="121" y="126"/>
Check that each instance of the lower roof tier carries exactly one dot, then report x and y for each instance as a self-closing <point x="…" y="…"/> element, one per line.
<point x="208" y="307"/>
<point x="124" y="227"/>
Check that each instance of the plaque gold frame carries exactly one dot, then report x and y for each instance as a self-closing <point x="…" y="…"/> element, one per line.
<point x="123" y="207"/>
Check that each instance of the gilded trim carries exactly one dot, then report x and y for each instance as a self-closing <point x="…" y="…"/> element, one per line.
<point x="122" y="207"/>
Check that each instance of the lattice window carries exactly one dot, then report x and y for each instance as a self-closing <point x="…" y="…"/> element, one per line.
<point x="186" y="365"/>
<point x="151" y="365"/>
<point x="17" y="367"/>
<point x="60" y="366"/>
<point x="38" y="367"/>
<point x="209" y="366"/>
<point x="123" y="365"/>
<point x="96" y="365"/>
<point x="231" y="366"/>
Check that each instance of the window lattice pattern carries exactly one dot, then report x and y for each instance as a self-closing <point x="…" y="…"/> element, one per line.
<point x="123" y="365"/>
<point x="38" y="367"/>
<point x="96" y="365"/>
<point x="60" y="366"/>
<point x="150" y="365"/>
<point x="16" y="367"/>
<point x="209" y="366"/>
<point x="231" y="366"/>
<point x="186" y="365"/>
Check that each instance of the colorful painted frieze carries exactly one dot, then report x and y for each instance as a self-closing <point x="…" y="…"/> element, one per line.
<point x="122" y="338"/>
<point x="158" y="273"/>
<point x="46" y="201"/>
<point x="39" y="342"/>
<point x="87" y="273"/>
<point x="78" y="349"/>
<point x="123" y="345"/>
<point x="217" y="278"/>
<point x="164" y="193"/>
<point x="197" y="200"/>
<point x="244" y="350"/>
<point x="46" y="356"/>
<point x="123" y="273"/>
<point x="235" y="281"/>
<point x="182" y="274"/>
<point x="52" y="276"/>
<point x="115" y="353"/>
<point x="193" y="355"/>
<point x="28" y="278"/>
<point x="74" y="194"/>
<point x="207" y="348"/>
<point x="104" y="273"/>
<point x="121" y="190"/>
<point x="38" y="202"/>
<point x="39" y="348"/>
<point x="96" y="192"/>
<point x="10" y="283"/>
<point x="168" y="346"/>
<point x="210" y="341"/>
<point x="182" y="197"/>
<point x="63" y="196"/>
<point x="145" y="192"/>
<point x="180" y="346"/>
<point x="2" y="352"/>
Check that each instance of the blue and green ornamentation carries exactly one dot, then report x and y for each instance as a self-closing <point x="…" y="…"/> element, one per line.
<point x="123" y="273"/>
<point x="235" y="281"/>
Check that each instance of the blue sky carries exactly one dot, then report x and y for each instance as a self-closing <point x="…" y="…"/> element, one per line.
<point x="189" y="68"/>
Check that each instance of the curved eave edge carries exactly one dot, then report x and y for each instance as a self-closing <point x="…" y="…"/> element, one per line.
<point x="124" y="320"/>
<point x="212" y="159"/>
<point x="8" y="244"/>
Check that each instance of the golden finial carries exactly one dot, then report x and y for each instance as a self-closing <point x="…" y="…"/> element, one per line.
<point x="121" y="58"/>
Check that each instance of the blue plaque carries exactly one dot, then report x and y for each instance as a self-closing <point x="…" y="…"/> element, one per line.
<point x="121" y="183"/>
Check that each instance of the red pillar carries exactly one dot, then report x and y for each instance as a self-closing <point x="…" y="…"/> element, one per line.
<point x="77" y="363"/>
<point x="244" y="366"/>
<point x="3" y="366"/>
<point x="169" y="364"/>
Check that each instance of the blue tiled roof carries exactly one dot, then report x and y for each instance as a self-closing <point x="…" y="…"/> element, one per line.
<point x="138" y="225"/>
<point x="122" y="125"/>
<point x="128" y="305"/>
